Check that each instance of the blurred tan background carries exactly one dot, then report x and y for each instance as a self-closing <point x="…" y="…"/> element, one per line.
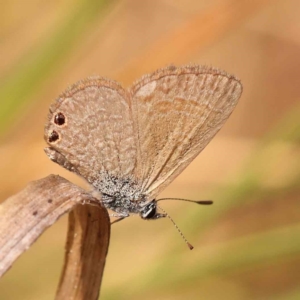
<point x="247" y="244"/>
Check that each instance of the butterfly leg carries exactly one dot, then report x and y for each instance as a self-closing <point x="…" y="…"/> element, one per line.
<point x="117" y="220"/>
<point x="158" y="216"/>
<point x="121" y="216"/>
<point x="108" y="201"/>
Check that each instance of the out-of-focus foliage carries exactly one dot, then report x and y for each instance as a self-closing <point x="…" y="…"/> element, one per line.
<point x="247" y="244"/>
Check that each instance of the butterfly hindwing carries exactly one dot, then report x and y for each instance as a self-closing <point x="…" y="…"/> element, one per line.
<point x="97" y="135"/>
<point x="176" y="112"/>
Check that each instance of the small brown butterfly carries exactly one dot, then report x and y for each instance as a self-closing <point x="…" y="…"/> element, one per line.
<point x="129" y="144"/>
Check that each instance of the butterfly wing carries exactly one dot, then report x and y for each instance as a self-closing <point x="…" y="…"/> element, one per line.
<point x="177" y="111"/>
<point x="90" y="130"/>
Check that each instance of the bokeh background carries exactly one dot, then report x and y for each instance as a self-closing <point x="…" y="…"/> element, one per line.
<point x="247" y="245"/>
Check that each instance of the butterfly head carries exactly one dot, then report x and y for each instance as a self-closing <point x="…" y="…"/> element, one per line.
<point x="149" y="211"/>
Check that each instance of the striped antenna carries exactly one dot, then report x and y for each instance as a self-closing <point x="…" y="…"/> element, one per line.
<point x="186" y="241"/>
<point x="202" y="202"/>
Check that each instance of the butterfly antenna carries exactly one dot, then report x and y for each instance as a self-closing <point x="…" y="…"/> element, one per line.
<point x="186" y="241"/>
<point x="202" y="202"/>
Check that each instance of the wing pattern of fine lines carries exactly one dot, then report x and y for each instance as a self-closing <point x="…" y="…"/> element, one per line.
<point x="150" y="132"/>
<point x="98" y="136"/>
<point x="177" y="111"/>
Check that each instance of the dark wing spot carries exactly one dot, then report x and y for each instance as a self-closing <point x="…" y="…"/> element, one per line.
<point x="54" y="136"/>
<point x="60" y="119"/>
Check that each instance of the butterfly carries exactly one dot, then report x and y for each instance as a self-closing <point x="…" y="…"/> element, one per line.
<point x="129" y="144"/>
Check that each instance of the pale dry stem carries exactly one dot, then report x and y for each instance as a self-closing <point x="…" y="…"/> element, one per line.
<point x="26" y="215"/>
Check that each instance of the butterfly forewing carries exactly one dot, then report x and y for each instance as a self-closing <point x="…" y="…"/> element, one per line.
<point x="176" y="112"/>
<point x="96" y="136"/>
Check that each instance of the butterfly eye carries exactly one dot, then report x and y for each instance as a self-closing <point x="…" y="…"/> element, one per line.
<point x="60" y="119"/>
<point x="53" y="137"/>
<point x="149" y="211"/>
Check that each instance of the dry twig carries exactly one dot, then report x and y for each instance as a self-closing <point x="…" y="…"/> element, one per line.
<point x="24" y="216"/>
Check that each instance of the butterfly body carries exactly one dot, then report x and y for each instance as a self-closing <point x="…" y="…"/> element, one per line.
<point x="130" y="144"/>
<point x="122" y="195"/>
